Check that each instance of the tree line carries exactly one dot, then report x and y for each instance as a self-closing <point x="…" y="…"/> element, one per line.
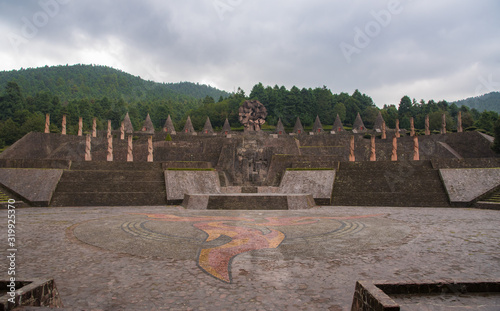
<point x="21" y="114"/>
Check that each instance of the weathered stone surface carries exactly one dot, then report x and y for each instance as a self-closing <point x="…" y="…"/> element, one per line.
<point x="178" y="183"/>
<point x="34" y="185"/>
<point x="318" y="183"/>
<point x="466" y="185"/>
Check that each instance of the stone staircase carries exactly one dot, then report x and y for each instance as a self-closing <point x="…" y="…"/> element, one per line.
<point x="493" y="198"/>
<point x="386" y="183"/>
<point x="111" y="184"/>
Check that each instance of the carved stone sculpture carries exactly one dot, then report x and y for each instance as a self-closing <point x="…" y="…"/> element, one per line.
<point x="94" y="127"/>
<point x="397" y="128"/>
<point x="373" y="155"/>
<point x="63" y="125"/>
<point x="394" y="155"/>
<point x="130" y="149"/>
<point x="252" y="115"/>
<point x="427" y="128"/>
<point x="412" y="127"/>
<point x="459" y="122"/>
<point x="122" y="131"/>
<point x="384" y="129"/>
<point x="443" y="124"/>
<point x="352" y="157"/>
<point x="80" y="126"/>
<point x="150" y="149"/>
<point x="47" y="123"/>
<point x="416" y="153"/>
<point x="88" y="146"/>
<point x="110" y="148"/>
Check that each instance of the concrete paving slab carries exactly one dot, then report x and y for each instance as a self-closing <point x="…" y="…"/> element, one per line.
<point x="169" y="258"/>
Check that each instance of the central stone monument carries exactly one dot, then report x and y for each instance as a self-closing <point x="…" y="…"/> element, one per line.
<point x="252" y="114"/>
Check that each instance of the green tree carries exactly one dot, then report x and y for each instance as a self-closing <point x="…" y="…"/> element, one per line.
<point x="405" y="106"/>
<point x="496" y="142"/>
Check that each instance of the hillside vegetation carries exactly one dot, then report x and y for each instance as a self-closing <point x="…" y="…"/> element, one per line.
<point x="108" y="94"/>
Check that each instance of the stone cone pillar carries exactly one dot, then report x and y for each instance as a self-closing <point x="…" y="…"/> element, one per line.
<point x="352" y="157"/>
<point x="427" y="128"/>
<point x="412" y="127"/>
<point x="373" y="155"/>
<point x="94" y="127"/>
<point x="63" y="131"/>
<point x="397" y="129"/>
<point x="384" y="130"/>
<point x="130" y="149"/>
<point x="416" y="153"/>
<point x="88" y="147"/>
<point x="394" y="155"/>
<point x="80" y="126"/>
<point x="150" y="149"/>
<point x="47" y="123"/>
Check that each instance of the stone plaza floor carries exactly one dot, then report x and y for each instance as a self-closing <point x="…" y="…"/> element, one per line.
<point x="169" y="258"/>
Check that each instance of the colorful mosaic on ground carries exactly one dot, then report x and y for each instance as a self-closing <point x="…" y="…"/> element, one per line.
<point x="245" y="234"/>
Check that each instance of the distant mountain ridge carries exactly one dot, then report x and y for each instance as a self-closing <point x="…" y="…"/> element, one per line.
<point x="486" y="102"/>
<point x="70" y="82"/>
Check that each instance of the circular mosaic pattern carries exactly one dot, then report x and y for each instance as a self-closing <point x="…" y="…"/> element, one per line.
<point x="214" y="241"/>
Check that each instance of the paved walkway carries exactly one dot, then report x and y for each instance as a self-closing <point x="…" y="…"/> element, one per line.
<point x="167" y="258"/>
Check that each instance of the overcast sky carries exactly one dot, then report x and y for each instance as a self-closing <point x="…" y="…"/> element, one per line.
<point x="425" y="49"/>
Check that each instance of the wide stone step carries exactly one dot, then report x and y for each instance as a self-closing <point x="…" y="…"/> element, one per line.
<point x="108" y="199"/>
<point x="109" y="166"/>
<point x="111" y="176"/>
<point x="98" y="186"/>
<point x="391" y="199"/>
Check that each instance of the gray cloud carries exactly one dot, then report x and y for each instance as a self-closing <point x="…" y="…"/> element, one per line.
<point x="424" y="49"/>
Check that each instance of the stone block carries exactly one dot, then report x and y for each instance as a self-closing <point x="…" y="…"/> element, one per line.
<point x="318" y="183"/>
<point x="178" y="183"/>
<point x="466" y="185"/>
<point x="34" y="185"/>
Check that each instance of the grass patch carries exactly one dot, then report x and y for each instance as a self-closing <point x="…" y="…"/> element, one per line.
<point x="192" y="169"/>
<point x="311" y="169"/>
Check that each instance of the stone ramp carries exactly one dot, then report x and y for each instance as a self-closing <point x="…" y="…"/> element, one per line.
<point x="389" y="184"/>
<point x="111" y="184"/>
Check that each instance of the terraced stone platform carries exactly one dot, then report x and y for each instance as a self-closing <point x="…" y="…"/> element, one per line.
<point x="387" y="183"/>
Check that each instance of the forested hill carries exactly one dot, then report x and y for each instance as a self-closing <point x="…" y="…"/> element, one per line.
<point x="486" y="102"/>
<point x="89" y="81"/>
